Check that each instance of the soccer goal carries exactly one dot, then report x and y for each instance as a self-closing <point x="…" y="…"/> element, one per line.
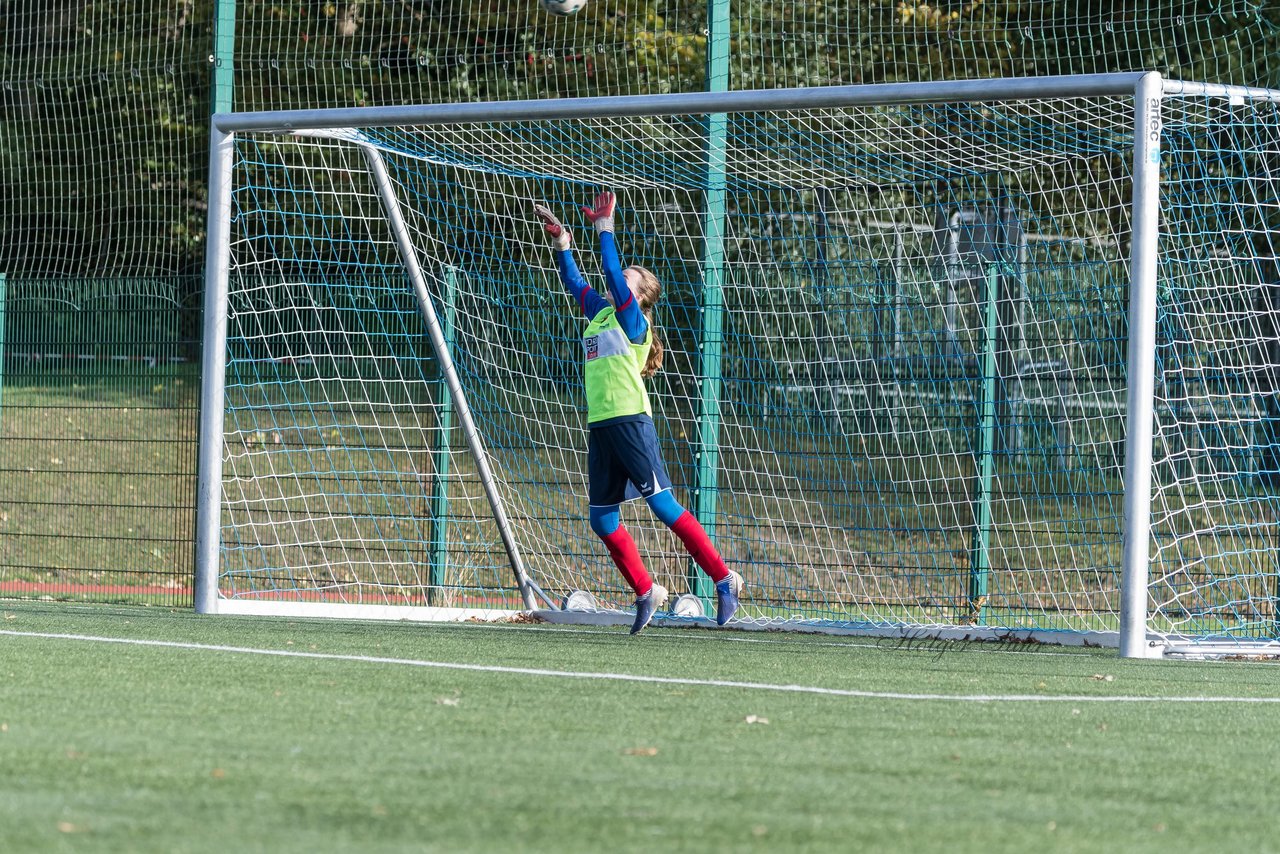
<point x="984" y="359"/>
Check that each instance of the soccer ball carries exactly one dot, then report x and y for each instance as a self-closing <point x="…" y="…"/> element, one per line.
<point x="688" y="605"/>
<point x="579" y="600"/>
<point x="563" y="7"/>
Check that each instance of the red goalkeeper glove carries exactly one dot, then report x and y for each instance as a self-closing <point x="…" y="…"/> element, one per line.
<point x="601" y="215"/>
<point x="561" y="237"/>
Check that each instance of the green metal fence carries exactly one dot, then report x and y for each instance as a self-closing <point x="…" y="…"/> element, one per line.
<point x="103" y="154"/>
<point x="97" y="433"/>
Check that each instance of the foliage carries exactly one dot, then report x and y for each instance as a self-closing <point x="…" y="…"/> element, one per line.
<point x="103" y="105"/>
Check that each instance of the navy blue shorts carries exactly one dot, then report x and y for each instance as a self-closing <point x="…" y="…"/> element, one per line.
<point x="623" y="463"/>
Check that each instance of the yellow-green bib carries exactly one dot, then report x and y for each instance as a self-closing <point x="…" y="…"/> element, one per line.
<point x="612" y="374"/>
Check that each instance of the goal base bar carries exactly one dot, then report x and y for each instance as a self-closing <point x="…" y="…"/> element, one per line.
<point x="1157" y="646"/>
<point x="830" y="627"/>
<point x="1190" y="649"/>
<point x="342" y="610"/>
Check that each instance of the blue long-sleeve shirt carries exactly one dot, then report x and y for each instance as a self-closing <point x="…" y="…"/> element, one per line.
<point x="630" y="317"/>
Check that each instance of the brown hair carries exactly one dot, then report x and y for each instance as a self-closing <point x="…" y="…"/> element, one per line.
<point x="648" y="293"/>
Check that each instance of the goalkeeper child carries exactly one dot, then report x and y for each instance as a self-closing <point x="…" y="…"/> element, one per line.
<point x="623" y="459"/>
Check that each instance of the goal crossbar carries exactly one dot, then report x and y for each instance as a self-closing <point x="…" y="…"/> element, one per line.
<point x="681" y="103"/>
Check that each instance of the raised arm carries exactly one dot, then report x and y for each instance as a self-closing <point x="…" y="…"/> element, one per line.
<point x="588" y="300"/>
<point x="630" y="317"/>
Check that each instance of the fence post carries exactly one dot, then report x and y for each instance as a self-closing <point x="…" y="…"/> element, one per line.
<point x="711" y="304"/>
<point x="2" y="298"/>
<point x="984" y="459"/>
<point x="444" y="427"/>
<point x="224" y="47"/>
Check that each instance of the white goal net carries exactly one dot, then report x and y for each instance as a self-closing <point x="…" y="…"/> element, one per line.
<point x="897" y="380"/>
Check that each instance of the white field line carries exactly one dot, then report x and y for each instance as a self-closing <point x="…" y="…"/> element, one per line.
<point x="627" y="677"/>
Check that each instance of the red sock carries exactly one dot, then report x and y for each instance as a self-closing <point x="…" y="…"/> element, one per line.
<point x="695" y="539"/>
<point x="627" y="558"/>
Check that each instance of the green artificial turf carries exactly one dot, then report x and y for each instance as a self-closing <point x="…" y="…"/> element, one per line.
<point x="127" y="747"/>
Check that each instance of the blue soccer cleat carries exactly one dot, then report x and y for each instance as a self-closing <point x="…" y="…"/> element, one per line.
<point x="727" y="593"/>
<point x="647" y="605"/>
